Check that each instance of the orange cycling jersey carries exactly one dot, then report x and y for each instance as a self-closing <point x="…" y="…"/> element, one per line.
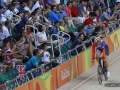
<point x="101" y="48"/>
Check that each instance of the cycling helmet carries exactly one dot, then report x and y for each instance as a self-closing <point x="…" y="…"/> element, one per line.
<point x="97" y="39"/>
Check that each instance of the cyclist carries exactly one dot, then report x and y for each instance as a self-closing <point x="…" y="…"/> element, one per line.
<point x="102" y="50"/>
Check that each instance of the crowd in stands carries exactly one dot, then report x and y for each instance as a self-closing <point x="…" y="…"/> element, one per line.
<point x="21" y="44"/>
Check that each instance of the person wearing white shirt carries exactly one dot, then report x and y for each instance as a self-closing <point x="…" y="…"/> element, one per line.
<point x="38" y="4"/>
<point x="9" y="13"/>
<point x="46" y="57"/>
<point x="26" y="8"/>
<point x="2" y="17"/>
<point x="5" y="30"/>
<point x="41" y="36"/>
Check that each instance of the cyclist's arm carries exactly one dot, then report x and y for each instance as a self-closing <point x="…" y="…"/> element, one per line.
<point x="93" y="50"/>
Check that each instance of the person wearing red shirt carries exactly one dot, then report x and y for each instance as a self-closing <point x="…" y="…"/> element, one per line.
<point x="74" y="10"/>
<point x="75" y="13"/>
<point x="88" y="24"/>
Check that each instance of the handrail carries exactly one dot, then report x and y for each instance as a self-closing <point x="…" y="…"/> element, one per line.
<point x="34" y="28"/>
<point x="40" y="67"/>
<point x="19" y="19"/>
<point x="52" y="43"/>
<point x="37" y="31"/>
<point x="65" y="41"/>
<point x="39" y="24"/>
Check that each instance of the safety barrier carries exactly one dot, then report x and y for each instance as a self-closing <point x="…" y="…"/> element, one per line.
<point x="62" y="74"/>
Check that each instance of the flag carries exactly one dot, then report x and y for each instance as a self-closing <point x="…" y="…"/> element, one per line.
<point x="21" y="70"/>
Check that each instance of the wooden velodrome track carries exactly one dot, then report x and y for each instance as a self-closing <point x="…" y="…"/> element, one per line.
<point x="88" y="80"/>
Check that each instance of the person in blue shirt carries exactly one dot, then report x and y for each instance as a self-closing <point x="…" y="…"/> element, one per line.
<point x="54" y="15"/>
<point x="62" y="11"/>
<point x="33" y="62"/>
<point x="21" y="7"/>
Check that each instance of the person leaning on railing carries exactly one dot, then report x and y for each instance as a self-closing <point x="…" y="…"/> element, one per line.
<point x="34" y="61"/>
<point x="46" y="58"/>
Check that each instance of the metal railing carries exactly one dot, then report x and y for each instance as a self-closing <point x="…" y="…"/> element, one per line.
<point x="53" y="43"/>
<point x="30" y="76"/>
<point x="34" y="29"/>
<point x="39" y="24"/>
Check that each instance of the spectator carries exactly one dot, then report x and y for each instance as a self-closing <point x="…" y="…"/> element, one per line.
<point x="68" y="22"/>
<point x="48" y="30"/>
<point x="34" y="18"/>
<point x="24" y="44"/>
<point x="89" y="6"/>
<point x="74" y="10"/>
<point x="118" y="4"/>
<point x="98" y="3"/>
<point x="56" y="29"/>
<point x="88" y="24"/>
<point x="53" y="3"/>
<point x="5" y="29"/>
<point x="96" y="32"/>
<point x="103" y="25"/>
<point x="46" y="58"/>
<point x="1" y="36"/>
<point x="8" y="56"/>
<point x="21" y="7"/>
<point x="79" y="42"/>
<point x="47" y="4"/>
<point x="62" y="28"/>
<point x="61" y="11"/>
<point x="38" y="4"/>
<point x="2" y="17"/>
<point x="4" y="3"/>
<point x="80" y="6"/>
<point x="33" y="61"/>
<point x="22" y="23"/>
<point x="1" y="58"/>
<point x="41" y="36"/>
<point x="54" y="15"/>
<point x="9" y="13"/>
<point x="81" y="31"/>
<point x="105" y="16"/>
<point x="76" y="13"/>
<point x="70" y="19"/>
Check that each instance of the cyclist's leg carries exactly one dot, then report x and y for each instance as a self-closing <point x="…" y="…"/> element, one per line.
<point x="106" y="63"/>
<point x="98" y="54"/>
<point x="106" y="60"/>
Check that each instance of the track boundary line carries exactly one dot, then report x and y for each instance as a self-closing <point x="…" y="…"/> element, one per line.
<point x="89" y="78"/>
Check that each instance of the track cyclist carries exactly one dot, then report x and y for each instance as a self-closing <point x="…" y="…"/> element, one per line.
<point x="102" y="50"/>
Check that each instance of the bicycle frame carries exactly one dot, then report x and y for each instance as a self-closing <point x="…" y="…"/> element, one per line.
<point x="101" y="71"/>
